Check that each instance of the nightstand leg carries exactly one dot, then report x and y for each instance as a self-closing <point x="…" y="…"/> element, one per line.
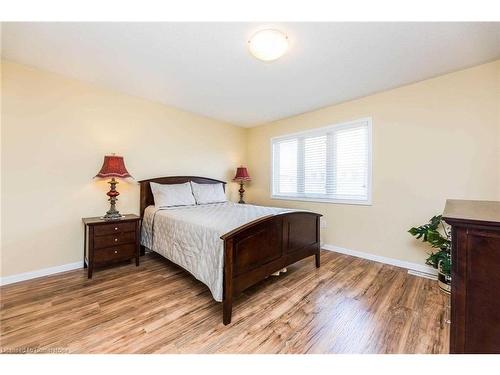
<point x="84" y="245"/>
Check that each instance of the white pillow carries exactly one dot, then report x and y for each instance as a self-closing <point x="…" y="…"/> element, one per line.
<point x="172" y="195"/>
<point x="208" y="193"/>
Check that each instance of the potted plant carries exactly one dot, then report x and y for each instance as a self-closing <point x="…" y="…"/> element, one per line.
<point x="437" y="235"/>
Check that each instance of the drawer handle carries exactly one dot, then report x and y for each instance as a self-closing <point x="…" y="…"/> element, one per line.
<point x="116" y="251"/>
<point x="116" y="228"/>
<point x="116" y="239"/>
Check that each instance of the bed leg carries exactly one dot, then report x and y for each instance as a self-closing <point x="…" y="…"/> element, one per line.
<point x="227" y="309"/>
<point x="317" y="256"/>
<point x="227" y="301"/>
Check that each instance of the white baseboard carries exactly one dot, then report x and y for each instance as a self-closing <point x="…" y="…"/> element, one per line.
<point x="39" y="273"/>
<point x="413" y="268"/>
<point x="423" y="274"/>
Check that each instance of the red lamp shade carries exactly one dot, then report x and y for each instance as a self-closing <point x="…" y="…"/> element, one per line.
<point x="113" y="166"/>
<point x="242" y="175"/>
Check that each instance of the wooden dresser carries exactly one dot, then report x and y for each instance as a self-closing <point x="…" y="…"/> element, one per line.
<point x="475" y="283"/>
<point x="110" y="241"/>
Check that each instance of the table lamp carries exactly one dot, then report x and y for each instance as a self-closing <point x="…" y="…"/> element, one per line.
<point x="113" y="166"/>
<point x="242" y="176"/>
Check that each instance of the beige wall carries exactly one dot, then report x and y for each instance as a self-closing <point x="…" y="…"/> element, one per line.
<point x="432" y="140"/>
<point x="498" y="128"/>
<point x="55" y="132"/>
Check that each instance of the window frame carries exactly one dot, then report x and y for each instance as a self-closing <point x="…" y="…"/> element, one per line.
<point x="321" y="131"/>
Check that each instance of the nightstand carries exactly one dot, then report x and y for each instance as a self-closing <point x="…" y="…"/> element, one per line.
<point x="110" y="241"/>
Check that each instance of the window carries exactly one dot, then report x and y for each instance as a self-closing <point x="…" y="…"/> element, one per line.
<point x="331" y="164"/>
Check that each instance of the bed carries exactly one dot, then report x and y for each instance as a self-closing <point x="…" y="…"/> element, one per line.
<point x="227" y="246"/>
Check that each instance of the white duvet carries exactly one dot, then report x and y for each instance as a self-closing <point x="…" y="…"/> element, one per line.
<point x="190" y="236"/>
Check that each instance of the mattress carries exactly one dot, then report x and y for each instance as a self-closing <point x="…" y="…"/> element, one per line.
<point x="189" y="236"/>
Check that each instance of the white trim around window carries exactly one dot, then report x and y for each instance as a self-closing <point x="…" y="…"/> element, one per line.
<point x="331" y="164"/>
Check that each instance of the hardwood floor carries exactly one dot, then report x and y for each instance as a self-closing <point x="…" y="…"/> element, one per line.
<point x="349" y="305"/>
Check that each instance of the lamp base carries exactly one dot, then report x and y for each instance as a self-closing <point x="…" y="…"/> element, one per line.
<point x="241" y="191"/>
<point x="112" y="213"/>
<point x="112" y="216"/>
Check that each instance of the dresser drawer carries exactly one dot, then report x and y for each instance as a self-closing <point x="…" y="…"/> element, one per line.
<point x="119" y="238"/>
<point x="107" y="254"/>
<point x="102" y="230"/>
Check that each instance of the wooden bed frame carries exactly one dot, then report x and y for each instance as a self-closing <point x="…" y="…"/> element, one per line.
<point x="257" y="249"/>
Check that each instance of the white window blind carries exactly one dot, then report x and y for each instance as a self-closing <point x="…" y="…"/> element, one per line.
<point x="331" y="164"/>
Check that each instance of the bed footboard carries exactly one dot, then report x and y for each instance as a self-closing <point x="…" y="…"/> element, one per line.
<point x="264" y="246"/>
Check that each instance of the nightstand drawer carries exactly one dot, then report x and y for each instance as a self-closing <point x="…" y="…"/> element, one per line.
<point x="110" y="241"/>
<point x="114" y="253"/>
<point x="102" y="230"/>
<point x="119" y="238"/>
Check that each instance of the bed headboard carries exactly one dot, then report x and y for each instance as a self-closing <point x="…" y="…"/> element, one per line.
<point x="146" y="197"/>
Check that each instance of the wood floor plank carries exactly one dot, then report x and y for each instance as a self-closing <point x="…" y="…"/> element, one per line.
<point x="349" y="305"/>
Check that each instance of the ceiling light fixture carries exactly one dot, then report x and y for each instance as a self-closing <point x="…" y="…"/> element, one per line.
<point x="268" y="44"/>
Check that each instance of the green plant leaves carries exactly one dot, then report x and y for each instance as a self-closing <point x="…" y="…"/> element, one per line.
<point x="430" y="233"/>
<point x="434" y="258"/>
<point x="424" y="230"/>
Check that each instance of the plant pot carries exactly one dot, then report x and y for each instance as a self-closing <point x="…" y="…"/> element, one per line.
<point x="444" y="280"/>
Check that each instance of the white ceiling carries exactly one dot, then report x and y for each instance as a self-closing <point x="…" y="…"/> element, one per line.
<point x="206" y="68"/>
